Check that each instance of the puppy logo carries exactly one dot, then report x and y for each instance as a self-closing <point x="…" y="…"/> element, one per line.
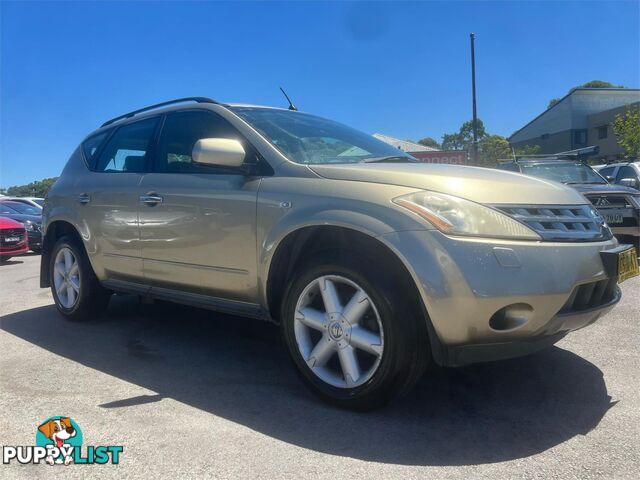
<point x="61" y="433"/>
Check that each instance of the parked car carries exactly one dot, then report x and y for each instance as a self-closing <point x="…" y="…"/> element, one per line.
<point x="32" y="201"/>
<point x="626" y="174"/>
<point x="619" y="205"/>
<point x="374" y="265"/>
<point x="13" y="239"/>
<point x="29" y="216"/>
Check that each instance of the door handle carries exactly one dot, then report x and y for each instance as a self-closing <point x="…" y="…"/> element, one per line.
<point x="84" y="198"/>
<point x="151" y="199"/>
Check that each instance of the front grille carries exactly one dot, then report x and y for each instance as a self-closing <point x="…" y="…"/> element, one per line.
<point x="609" y="201"/>
<point x="11" y="233"/>
<point x="564" y="223"/>
<point x="590" y="295"/>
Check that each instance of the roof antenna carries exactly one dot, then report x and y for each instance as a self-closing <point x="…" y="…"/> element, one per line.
<point x="291" y="105"/>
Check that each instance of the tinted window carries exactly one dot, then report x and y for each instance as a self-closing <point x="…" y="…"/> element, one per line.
<point x="626" y="172"/>
<point x="607" y="171"/>
<point x="23" y="208"/>
<point x="127" y="149"/>
<point x="4" y="208"/>
<point x="91" y="145"/>
<point x="179" y="134"/>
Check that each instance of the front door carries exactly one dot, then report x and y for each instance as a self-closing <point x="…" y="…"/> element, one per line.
<point x="198" y="223"/>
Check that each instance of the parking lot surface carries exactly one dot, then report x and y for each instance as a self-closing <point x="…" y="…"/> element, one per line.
<point x="191" y="393"/>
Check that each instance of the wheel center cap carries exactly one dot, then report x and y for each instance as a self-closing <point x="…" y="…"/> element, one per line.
<point x="336" y="331"/>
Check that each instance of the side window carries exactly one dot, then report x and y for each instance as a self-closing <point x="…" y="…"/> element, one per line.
<point x="181" y="131"/>
<point x="91" y="145"/>
<point x="607" y="171"/>
<point x="127" y="149"/>
<point x="626" y="172"/>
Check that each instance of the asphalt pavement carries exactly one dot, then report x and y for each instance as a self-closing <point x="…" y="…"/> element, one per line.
<point x="192" y="394"/>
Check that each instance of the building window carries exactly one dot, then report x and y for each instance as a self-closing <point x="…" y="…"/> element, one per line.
<point x="579" y="138"/>
<point x="603" y="132"/>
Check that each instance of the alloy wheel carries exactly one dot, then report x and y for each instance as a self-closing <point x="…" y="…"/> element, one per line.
<point x="338" y="331"/>
<point x="66" y="277"/>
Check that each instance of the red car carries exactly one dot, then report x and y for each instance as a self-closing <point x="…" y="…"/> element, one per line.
<point x="13" y="238"/>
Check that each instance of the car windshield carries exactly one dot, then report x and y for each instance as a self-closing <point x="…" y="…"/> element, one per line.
<point x="308" y="139"/>
<point x="23" y="208"/>
<point x="564" y="172"/>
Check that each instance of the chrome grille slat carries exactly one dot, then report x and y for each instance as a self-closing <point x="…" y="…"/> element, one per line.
<point x="560" y="222"/>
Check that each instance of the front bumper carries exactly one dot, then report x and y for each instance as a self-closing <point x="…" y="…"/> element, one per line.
<point x="466" y="283"/>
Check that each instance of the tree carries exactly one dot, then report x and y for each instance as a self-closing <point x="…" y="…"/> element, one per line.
<point x="429" y="142"/>
<point x="39" y="188"/>
<point x="462" y="139"/>
<point x="591" y="84"/>
<point x="527" y="150"/>
<point x="626" y="128"/>
<point x="491" y="149"/>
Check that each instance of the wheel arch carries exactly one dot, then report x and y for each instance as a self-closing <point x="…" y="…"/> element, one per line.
<point x="55" y="230"/>
<point x="301" y="243"/>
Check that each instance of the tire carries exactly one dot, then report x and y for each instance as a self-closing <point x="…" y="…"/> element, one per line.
<point x="76" y="290"/>
<point x="389" y="343"/>
<point x="4" y="258"/>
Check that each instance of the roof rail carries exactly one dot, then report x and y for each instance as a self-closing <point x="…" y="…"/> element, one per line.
<point x="158" y="105"/>
<point x="579" y="154"/>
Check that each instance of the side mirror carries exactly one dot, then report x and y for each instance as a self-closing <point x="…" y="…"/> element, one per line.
<point x="220" y="152"/>
<point x="610" y="178"/>
<point x="629" y="182"/>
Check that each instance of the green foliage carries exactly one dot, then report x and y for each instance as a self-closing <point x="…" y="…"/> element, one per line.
<point x="600" y="84"/>
<point x="552" y="102"/>
<point x="527" y="150"/>
<point x="626" y="128"/>
<point x="462" y="139"/>
<point x="39" y="188"/>
<point x="491" y="149"/>
<point x="429" y="142"/>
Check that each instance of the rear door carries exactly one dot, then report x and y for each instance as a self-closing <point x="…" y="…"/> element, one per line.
<point x="198" y="223"/>
<point x="109" y="197"/>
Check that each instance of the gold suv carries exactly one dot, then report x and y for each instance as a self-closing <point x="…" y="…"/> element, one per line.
<point x="373" y="264"/>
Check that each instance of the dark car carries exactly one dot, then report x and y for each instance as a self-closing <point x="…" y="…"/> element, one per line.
<point x="619" y="205"/>
<point x="28" y="215"/>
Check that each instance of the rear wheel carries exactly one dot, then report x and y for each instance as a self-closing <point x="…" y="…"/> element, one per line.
<point x="355" y="338"/>
<point x="4" y="258"/>
<point x="76" y="291"/>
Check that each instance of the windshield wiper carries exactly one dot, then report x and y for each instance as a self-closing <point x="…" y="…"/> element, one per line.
<point x="391" y="158"/>
<point x="584" y="183"/>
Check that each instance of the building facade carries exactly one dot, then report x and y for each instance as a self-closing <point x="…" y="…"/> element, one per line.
<point x="581" y="118"/>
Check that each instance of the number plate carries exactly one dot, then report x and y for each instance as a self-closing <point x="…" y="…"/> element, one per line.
<point x="11" y="239"/>
<point x="611" y="219"/>
<point x="627" y="264"/>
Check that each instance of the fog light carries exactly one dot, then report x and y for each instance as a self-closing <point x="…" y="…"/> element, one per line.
<point x="511" y="317"/>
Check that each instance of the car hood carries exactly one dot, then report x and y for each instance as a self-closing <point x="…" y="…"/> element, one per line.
<point x="603" y="188"/>
<point x="483" y="185"/>
<point x="20" y="217"/>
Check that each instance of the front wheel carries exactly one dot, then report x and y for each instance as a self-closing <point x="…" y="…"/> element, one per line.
<point x="76" y="291"/>
<point x="354" y="337"/>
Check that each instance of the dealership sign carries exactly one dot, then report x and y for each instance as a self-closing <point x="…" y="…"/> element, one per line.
<point x="453" y="157"/>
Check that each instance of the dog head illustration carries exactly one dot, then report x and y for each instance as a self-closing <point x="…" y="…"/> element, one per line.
<point x="58" y="430"/>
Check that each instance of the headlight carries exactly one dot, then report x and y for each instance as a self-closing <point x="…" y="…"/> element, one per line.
<point x="457" y="216"/>
<point x="635" y="200"/>
<point x="28" y="226"/>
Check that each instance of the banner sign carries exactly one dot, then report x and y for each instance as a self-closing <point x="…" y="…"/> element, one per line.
<point x="452" y="157"/>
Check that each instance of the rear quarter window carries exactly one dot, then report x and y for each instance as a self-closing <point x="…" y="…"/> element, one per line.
<point x="91" y="147"/>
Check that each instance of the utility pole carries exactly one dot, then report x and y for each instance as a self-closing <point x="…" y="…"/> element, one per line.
<point x="474" y="146"/>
